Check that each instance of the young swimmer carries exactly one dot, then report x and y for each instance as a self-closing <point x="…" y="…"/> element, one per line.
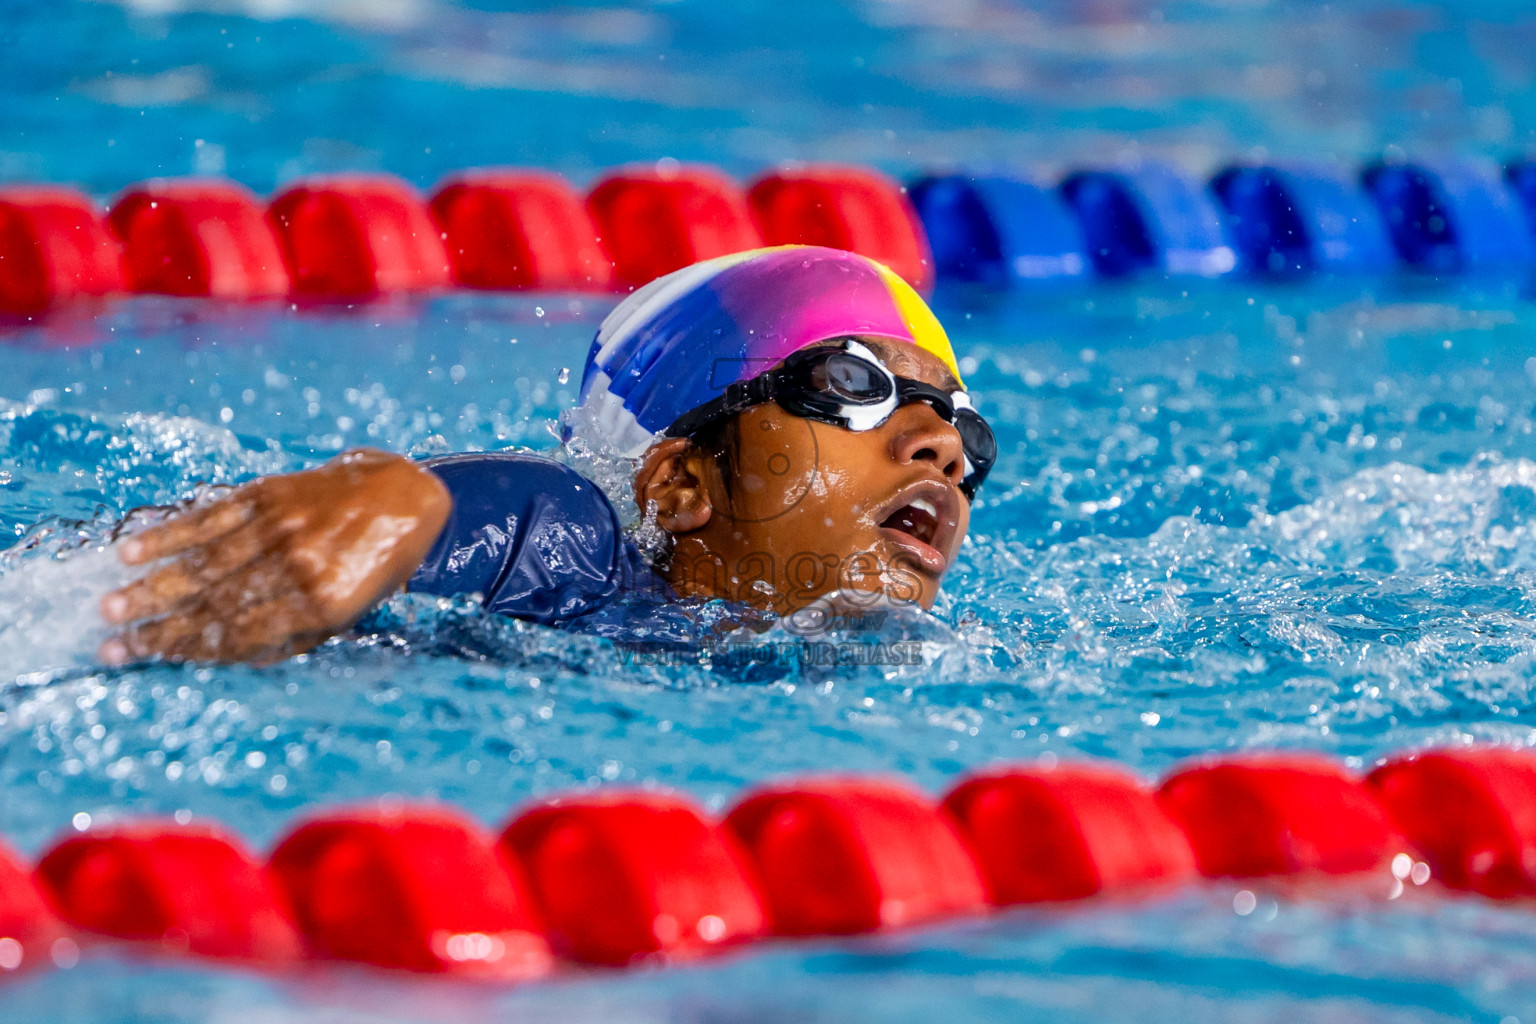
<point x="800" y="428"/>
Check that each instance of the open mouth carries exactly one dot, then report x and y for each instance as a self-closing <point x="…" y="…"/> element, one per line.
<point x="918" y="518"/>
<point x="923" y="520"/>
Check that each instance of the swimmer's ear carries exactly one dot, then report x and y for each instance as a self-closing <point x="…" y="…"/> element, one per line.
<point x="670" y="476"/>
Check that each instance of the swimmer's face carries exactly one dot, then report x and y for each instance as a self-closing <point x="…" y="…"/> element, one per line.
<point x="804" y="508"/>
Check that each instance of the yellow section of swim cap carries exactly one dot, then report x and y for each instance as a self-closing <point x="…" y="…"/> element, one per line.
<point x="925" y="327"/>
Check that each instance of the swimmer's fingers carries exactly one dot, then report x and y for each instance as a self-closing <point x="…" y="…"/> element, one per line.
<point x="160" y="638"/>
<point x="188" y="576"/>
<point x="265" y="630"/>
<point x="329" y="543"/>
<point x="278" y="628"/>
<point x="188" y="529"/>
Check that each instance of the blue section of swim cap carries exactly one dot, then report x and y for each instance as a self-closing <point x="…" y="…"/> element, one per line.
<point x="1451" y="218"/>
<point x="998" y="230"/>
<point x="1298" y="220"/>
<point x="654" y="370"/>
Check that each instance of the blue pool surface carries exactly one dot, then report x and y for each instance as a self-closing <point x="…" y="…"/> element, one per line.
<point x="1227" y="516"/>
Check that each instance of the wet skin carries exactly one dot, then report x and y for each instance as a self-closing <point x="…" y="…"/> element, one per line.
<point x="278" y="565"/>
<point x="815" y="508"/>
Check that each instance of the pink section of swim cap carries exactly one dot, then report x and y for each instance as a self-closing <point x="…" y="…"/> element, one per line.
<point x="797" y="297"/>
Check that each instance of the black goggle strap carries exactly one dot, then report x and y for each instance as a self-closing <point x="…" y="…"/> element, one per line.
<point x="738" y="397"/>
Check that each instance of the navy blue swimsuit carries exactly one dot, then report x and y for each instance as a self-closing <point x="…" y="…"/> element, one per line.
<point x="535" y="539"/>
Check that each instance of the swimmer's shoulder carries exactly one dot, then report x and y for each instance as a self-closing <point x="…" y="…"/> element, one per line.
<point x="535" y="538"/>
<point x="505" y="479"/>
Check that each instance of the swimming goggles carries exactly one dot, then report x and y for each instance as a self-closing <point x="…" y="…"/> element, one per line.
<point x="849" y="387"/>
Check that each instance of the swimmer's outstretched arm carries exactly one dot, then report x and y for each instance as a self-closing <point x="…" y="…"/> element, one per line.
<point x="277" y="565"/>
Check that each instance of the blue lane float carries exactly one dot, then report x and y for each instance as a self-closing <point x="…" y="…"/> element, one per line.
<point x="1118" y="235"/>
<point x="998" y="231"/>
<point x="1452" y="218"/>
<point x="1521" y="178"/>
<point x="1293" y="221"/>
<point x="1151" y="218"/>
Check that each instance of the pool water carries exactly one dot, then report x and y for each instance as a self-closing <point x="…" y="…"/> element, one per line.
<point x="1227" y="516"/>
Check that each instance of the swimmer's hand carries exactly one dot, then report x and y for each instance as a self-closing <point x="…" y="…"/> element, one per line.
<point x="277" y="565"/>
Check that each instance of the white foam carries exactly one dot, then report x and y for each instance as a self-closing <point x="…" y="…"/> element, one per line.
<point x="50" y="620"/>
<point x="375" y="14"/>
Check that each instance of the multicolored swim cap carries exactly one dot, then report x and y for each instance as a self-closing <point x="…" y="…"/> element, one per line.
<point x="684" y="338"/>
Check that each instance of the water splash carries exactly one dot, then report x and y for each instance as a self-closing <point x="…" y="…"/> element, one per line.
<point x="51" y="586"/>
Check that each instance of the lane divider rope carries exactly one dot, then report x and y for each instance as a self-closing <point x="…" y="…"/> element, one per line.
<point x="353" y="237"/>
<point x="615" y="877"/>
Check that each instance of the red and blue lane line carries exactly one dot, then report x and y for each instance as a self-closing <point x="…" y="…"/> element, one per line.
<point x="350" y="238"/>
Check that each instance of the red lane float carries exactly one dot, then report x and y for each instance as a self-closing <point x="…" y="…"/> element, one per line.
<point x="358" y="236"/>
<point x="844" y="208"/>
<point x="1066" y="833"/>
<point x="28" y="928"/>
<point x="190" y="889"/>
<point x="653" y="222"/>
<point x="616" y="877"/>
<point x="1472" y="813"/>
<point x="1278" y="814"/>
<point x="841" y="856"/>
<point x="54" y="246"/>
<point x="624" y="876"/>
<point x="419" y="889"/>
<point x="197" y="237"/>
<point x="519" y="230"/>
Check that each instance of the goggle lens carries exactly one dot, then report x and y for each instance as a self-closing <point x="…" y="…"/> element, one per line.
<point x="855" y="379"/>
<point x="977" y="437"/>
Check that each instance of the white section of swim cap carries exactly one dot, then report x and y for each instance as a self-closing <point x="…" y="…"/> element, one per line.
<point x="604" y="421"/>
<point x="629" y="316"/>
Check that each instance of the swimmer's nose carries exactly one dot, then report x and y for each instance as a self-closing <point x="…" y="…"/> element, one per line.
<point x="919" y="434"/>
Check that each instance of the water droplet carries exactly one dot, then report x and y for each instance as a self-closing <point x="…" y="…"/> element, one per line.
<point x="65" y="953"/>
